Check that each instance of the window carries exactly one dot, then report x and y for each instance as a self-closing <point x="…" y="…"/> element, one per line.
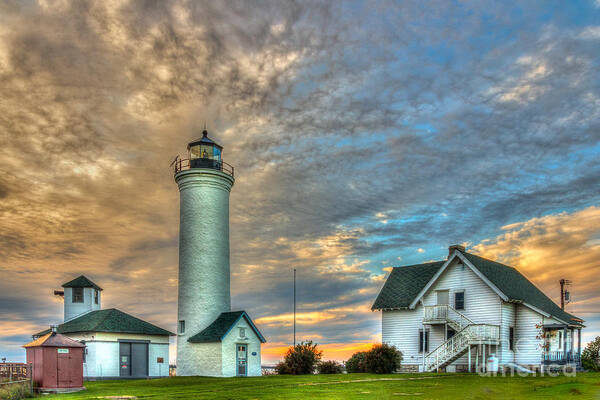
<point x="459" y="300"/>
<point x="560" y="340"/>
<point x="85" y="351"/>
<point x="181" y="327"/>
<point x="96" y="296"/>
<point x="423" y="339"/>
<point x="511" y="338"/>
<point x="77" y="295"/>
<point x="242" y="332"/>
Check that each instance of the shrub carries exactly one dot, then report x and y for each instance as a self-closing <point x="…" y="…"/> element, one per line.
<point x="383" y="359"/>
<point x="330" y="367"/>
<point x="300" y="359"/>
<point x="590" y="358"/>
<point x="356" y="363"/>
<point x="15" y="391"/>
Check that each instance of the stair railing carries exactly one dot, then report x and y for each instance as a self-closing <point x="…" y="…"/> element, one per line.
<point x="457" y="343"/>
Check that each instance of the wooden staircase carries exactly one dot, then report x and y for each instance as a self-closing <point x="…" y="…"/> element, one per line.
<point x="467" y="334"/>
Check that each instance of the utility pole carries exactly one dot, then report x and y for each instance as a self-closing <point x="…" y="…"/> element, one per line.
<point x="564" y="293"/>
<point x="294" y="307"/>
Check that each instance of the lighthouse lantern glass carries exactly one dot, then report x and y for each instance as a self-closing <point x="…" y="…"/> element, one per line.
<point x="206" y="151"/>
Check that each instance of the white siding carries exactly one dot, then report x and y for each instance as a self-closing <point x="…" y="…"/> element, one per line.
<point x="205" y="359"/>
<point x="508" y="320"/>
<point x="72" y="310"/>
<point x="102" y="358"/>
<point x="401" y="329"/>
<point x="156" y="351"/>
<point x="527" y="346"/>
<point x="482" y="304"/>
<point x="229" y="350"/>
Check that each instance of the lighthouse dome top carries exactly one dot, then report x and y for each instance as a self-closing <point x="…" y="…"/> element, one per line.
<point x="203" y="153"/>
<point x="204" y="140"/>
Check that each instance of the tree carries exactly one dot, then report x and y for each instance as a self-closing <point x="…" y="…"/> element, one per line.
<point x="330" y="367"/>
<point x="300" y="359"/>
<point x="590" y="358"/>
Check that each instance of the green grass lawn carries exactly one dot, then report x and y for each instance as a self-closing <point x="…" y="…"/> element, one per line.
<point x="351" y="386"/>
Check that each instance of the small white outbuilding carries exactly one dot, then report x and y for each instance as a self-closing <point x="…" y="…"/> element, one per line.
<point x="230" y="346"/>
<point x="117" y="345"/>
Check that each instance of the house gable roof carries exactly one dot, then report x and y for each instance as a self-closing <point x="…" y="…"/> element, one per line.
<point x="221" y="326"/>
<point x="506" y="281"/>
<point x="81" y="281"/>
<point x="109" y="320"/>
<point x="518" y="288"/>
<point x="404" y="284"/>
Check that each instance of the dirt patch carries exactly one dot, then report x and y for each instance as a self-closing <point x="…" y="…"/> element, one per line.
<point x="370" y="380"/>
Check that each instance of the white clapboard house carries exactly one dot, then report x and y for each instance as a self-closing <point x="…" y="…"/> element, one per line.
<point x="118" y="345"/>
<point x="454" y="314"/>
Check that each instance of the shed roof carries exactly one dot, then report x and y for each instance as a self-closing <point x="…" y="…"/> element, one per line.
<point x="81" y="281"/>
<point x="109" y="320"/>
<point x="405" y="283"/>
<point x="221" y="326"/>
<point x="54" y="339"/>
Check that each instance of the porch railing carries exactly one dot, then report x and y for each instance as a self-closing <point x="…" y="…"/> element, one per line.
<point x="558" y="357"/>
<point x="447" y="313"/>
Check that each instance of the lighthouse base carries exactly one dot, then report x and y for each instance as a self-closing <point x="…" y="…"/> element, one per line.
<point x="229" y="346"/>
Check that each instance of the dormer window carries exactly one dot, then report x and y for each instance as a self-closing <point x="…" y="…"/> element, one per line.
<point x="96" y="296"/>
<point x="77" y="295"/>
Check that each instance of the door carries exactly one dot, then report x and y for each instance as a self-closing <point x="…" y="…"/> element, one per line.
<point x="133" y="359"/>
<point x="139" y="359"/>
<point x="449" y="333"/>
<point x="124" y="359"/>
<point x="443" y="297"/>
<point x="63" y="365"/>
<point x="242" y="359"/>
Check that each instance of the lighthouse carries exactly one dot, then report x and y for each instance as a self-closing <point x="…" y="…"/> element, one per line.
<point x="212" y="340"/>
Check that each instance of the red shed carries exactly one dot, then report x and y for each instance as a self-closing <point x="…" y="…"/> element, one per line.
<point x="57" y="362"/>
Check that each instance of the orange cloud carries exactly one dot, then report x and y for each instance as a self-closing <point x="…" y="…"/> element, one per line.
<point x="546" y="249"/>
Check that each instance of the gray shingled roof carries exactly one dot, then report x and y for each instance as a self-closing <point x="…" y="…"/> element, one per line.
<point x="517" y="287"/>
<point x="405" y="283"/>
<point x="109" y="320"/>
<point x="81" y="281"/>
<point x="216" y="331"/>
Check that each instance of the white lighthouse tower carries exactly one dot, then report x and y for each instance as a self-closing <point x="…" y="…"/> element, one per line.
<point x="207" y="343"/>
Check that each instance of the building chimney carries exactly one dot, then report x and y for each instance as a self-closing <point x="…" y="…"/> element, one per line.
<point x="455" y="247"/>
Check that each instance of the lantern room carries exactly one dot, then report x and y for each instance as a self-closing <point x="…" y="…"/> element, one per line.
<point x="205" y="153"/>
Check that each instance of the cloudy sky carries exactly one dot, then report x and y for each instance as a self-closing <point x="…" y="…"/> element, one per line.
<point x="364" y="135"/>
